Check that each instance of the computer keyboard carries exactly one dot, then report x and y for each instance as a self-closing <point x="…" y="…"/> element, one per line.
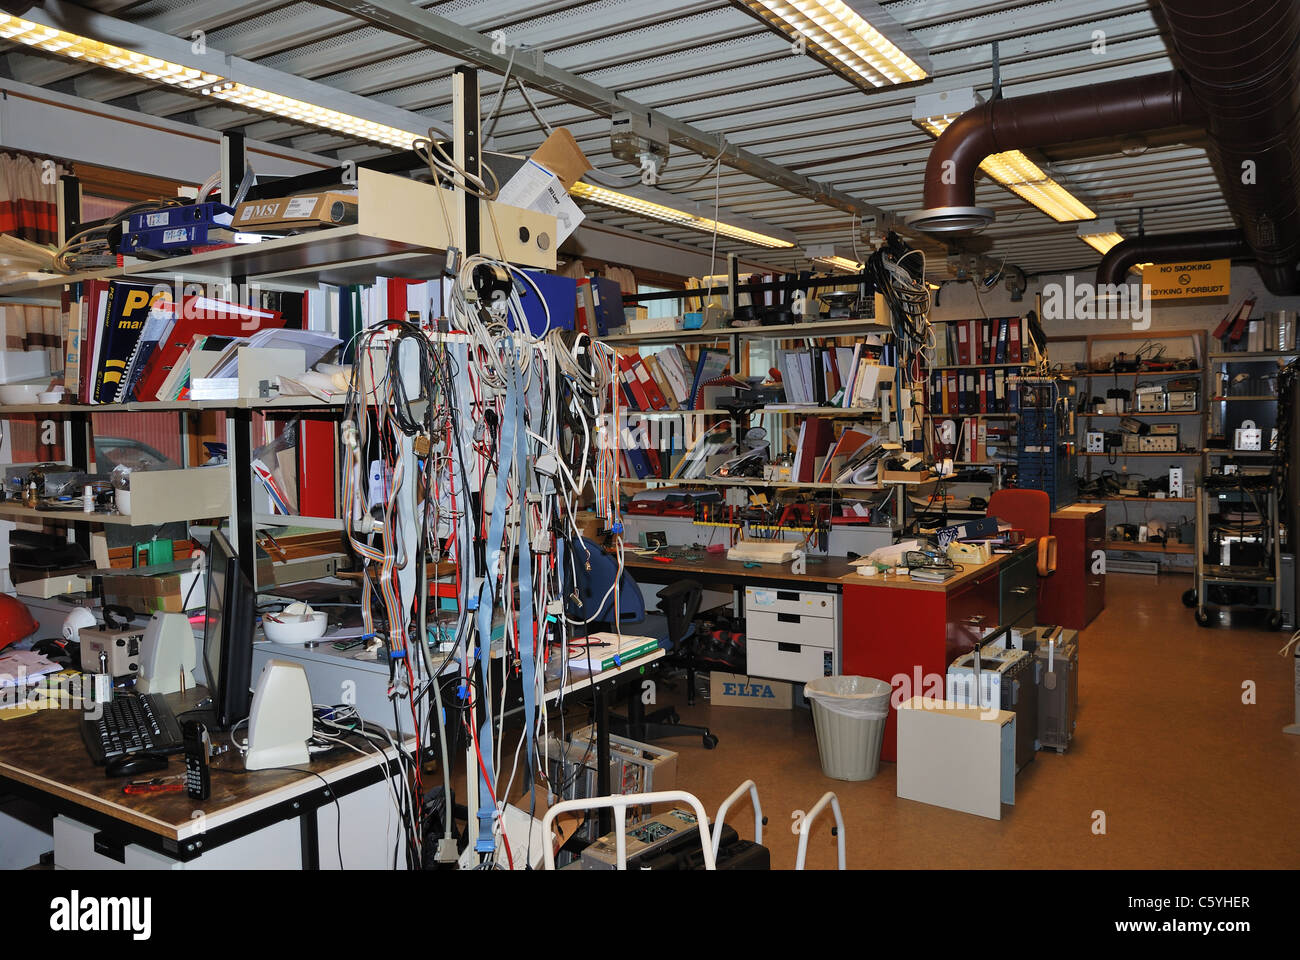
<point x="132" y="723"/>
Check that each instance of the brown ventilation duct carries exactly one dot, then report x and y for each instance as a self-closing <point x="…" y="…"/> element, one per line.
<point x="1242" y="64"/>
<point x="1113" y="109"/>
<point x="1169" y="248"/>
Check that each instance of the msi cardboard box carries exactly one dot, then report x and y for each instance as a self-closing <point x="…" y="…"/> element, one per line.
<point x="296" y="213"/>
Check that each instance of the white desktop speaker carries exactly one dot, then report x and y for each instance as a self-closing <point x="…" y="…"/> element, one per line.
<point x="168" y="651"/>
<point x="279" y="724"/>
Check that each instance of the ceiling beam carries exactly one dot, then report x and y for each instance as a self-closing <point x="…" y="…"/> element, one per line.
<point x="401" y="18"/>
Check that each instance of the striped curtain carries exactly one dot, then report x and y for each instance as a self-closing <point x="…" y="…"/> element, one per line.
<point x="28" y="189"/>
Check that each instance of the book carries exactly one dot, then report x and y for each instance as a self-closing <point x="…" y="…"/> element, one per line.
<point x="656" y="398"/>
<point x="93" y="296"/>
<point x="672" y="360"/>
<point x="71" y="344"/>
<point x="605" y="651"/>
<point x="656" y="372"/>
<point x="712" y="364"/>
<point x="159" y="323"/>
<point x="639" y="399"/>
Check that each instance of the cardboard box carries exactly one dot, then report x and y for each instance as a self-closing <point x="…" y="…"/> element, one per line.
<point x="296" y="213"/>
<point x="543" y="183"/>
<point x="148" y="592"/>
<point x="737" y="690"/>
<point x="560" y="154"/>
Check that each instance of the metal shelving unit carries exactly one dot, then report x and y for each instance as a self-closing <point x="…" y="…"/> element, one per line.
<point x="400" y="232"/>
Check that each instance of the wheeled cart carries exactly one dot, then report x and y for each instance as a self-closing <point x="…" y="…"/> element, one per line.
<point x="1238" y="561"/>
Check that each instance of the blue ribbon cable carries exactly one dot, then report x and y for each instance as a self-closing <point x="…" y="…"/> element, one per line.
<point x="527" y="645"/>
<point x="487" y="603"/>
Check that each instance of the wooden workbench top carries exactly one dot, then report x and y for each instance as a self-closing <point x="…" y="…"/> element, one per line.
<point x="968" y="572"/>
<point x="44" y="750"/>
<point x="828" y="570"/>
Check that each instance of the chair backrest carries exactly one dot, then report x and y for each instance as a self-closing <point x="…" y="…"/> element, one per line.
<point x="1027" y="510"/>
<point x="595" y="571"/>
<point x="680" y="602"/>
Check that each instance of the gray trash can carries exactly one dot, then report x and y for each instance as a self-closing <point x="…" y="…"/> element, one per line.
<point x="849" y="714"/>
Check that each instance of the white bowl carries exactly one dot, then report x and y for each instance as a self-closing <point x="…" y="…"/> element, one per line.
<point x="52" y="396"/>
<point x="21" y="392"/>
<point x="294" y="629"/>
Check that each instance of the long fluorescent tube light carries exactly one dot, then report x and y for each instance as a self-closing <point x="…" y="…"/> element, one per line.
<point x="834" y="257"/>
<point x="309" y="113"/>
<point x="841" y="38"/>
<point x="1101" y="235"/>
<point x="1011" y="169"/>
<point x="71" y="45"/>
<point x="659" y="211"/>
<point x="76" y="47"/>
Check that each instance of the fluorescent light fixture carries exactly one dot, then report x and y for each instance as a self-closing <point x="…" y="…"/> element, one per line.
<point x="1012" y="169"/>
<point x="834" y="257"/>
<point x="65" y="44"/>
<point x="1101" y="235"/>
<point x="309" y="113"/>
<point x="840" y="37"/>
<point x="658" y="209"/>
<point x="160" y="69"/>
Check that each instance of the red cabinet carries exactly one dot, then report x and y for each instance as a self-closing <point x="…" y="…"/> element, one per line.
<point x="906" y="633"/>
<point x="1074" y="595"/>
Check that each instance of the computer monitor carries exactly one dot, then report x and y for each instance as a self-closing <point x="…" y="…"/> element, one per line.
<point x="228" y="634"/>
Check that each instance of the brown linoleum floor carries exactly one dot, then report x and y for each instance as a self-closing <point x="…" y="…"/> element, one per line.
<point x="1185" y="773"/>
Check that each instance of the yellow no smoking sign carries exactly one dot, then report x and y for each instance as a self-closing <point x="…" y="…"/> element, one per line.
<point x="1186" y="281"/>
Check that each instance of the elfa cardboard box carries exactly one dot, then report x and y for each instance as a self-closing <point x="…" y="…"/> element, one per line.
<point x="738" y="690"/>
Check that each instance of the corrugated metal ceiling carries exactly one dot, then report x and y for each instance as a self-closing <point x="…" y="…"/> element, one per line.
<point x="706" y="63"/>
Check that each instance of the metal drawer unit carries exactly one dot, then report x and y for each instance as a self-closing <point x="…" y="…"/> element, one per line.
<point x="1018" y="590"/>
<point x="792" y="634"/>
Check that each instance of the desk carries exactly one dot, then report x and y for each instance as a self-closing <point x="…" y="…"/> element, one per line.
<point x="264" y="819"/>
<point x="779" y="645"/>
<point x="900" y="629"/>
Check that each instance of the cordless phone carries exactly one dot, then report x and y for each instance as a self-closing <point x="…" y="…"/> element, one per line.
<point x="198" y="748"/>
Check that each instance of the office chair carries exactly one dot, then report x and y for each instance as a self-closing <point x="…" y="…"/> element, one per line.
<point x="680" y="601"/>
<point x="1030" y="511"/>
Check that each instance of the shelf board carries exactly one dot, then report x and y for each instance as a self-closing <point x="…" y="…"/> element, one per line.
<point x="18" y="511"/>
<point x="1137" y="499"/>
<point x="1171" y="413"/>
<point x="280" y="520"/>
<point x="861" y="412"/>
<point x="1136" y="373"/>
<point x="744" y="482"/>
<point x="978" y="366"/>
<point x="972" y="416"/>
<point x="1172" y="548"/>
<point x="1256" y="454"/>
<point x="1269" y="396"/>
<point x="1245" y="357"/>
<point x="982" y="463"/>
<point x="142" y="406"/>
<point x="1167" y="456"/>
<point x="784" y="331"/>
<point x="336" y="255"/>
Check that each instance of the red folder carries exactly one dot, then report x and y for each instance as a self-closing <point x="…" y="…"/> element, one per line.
<point x="817" y="439"/>
<point x="316" y="468"/>
<point x="212" y="317"/>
